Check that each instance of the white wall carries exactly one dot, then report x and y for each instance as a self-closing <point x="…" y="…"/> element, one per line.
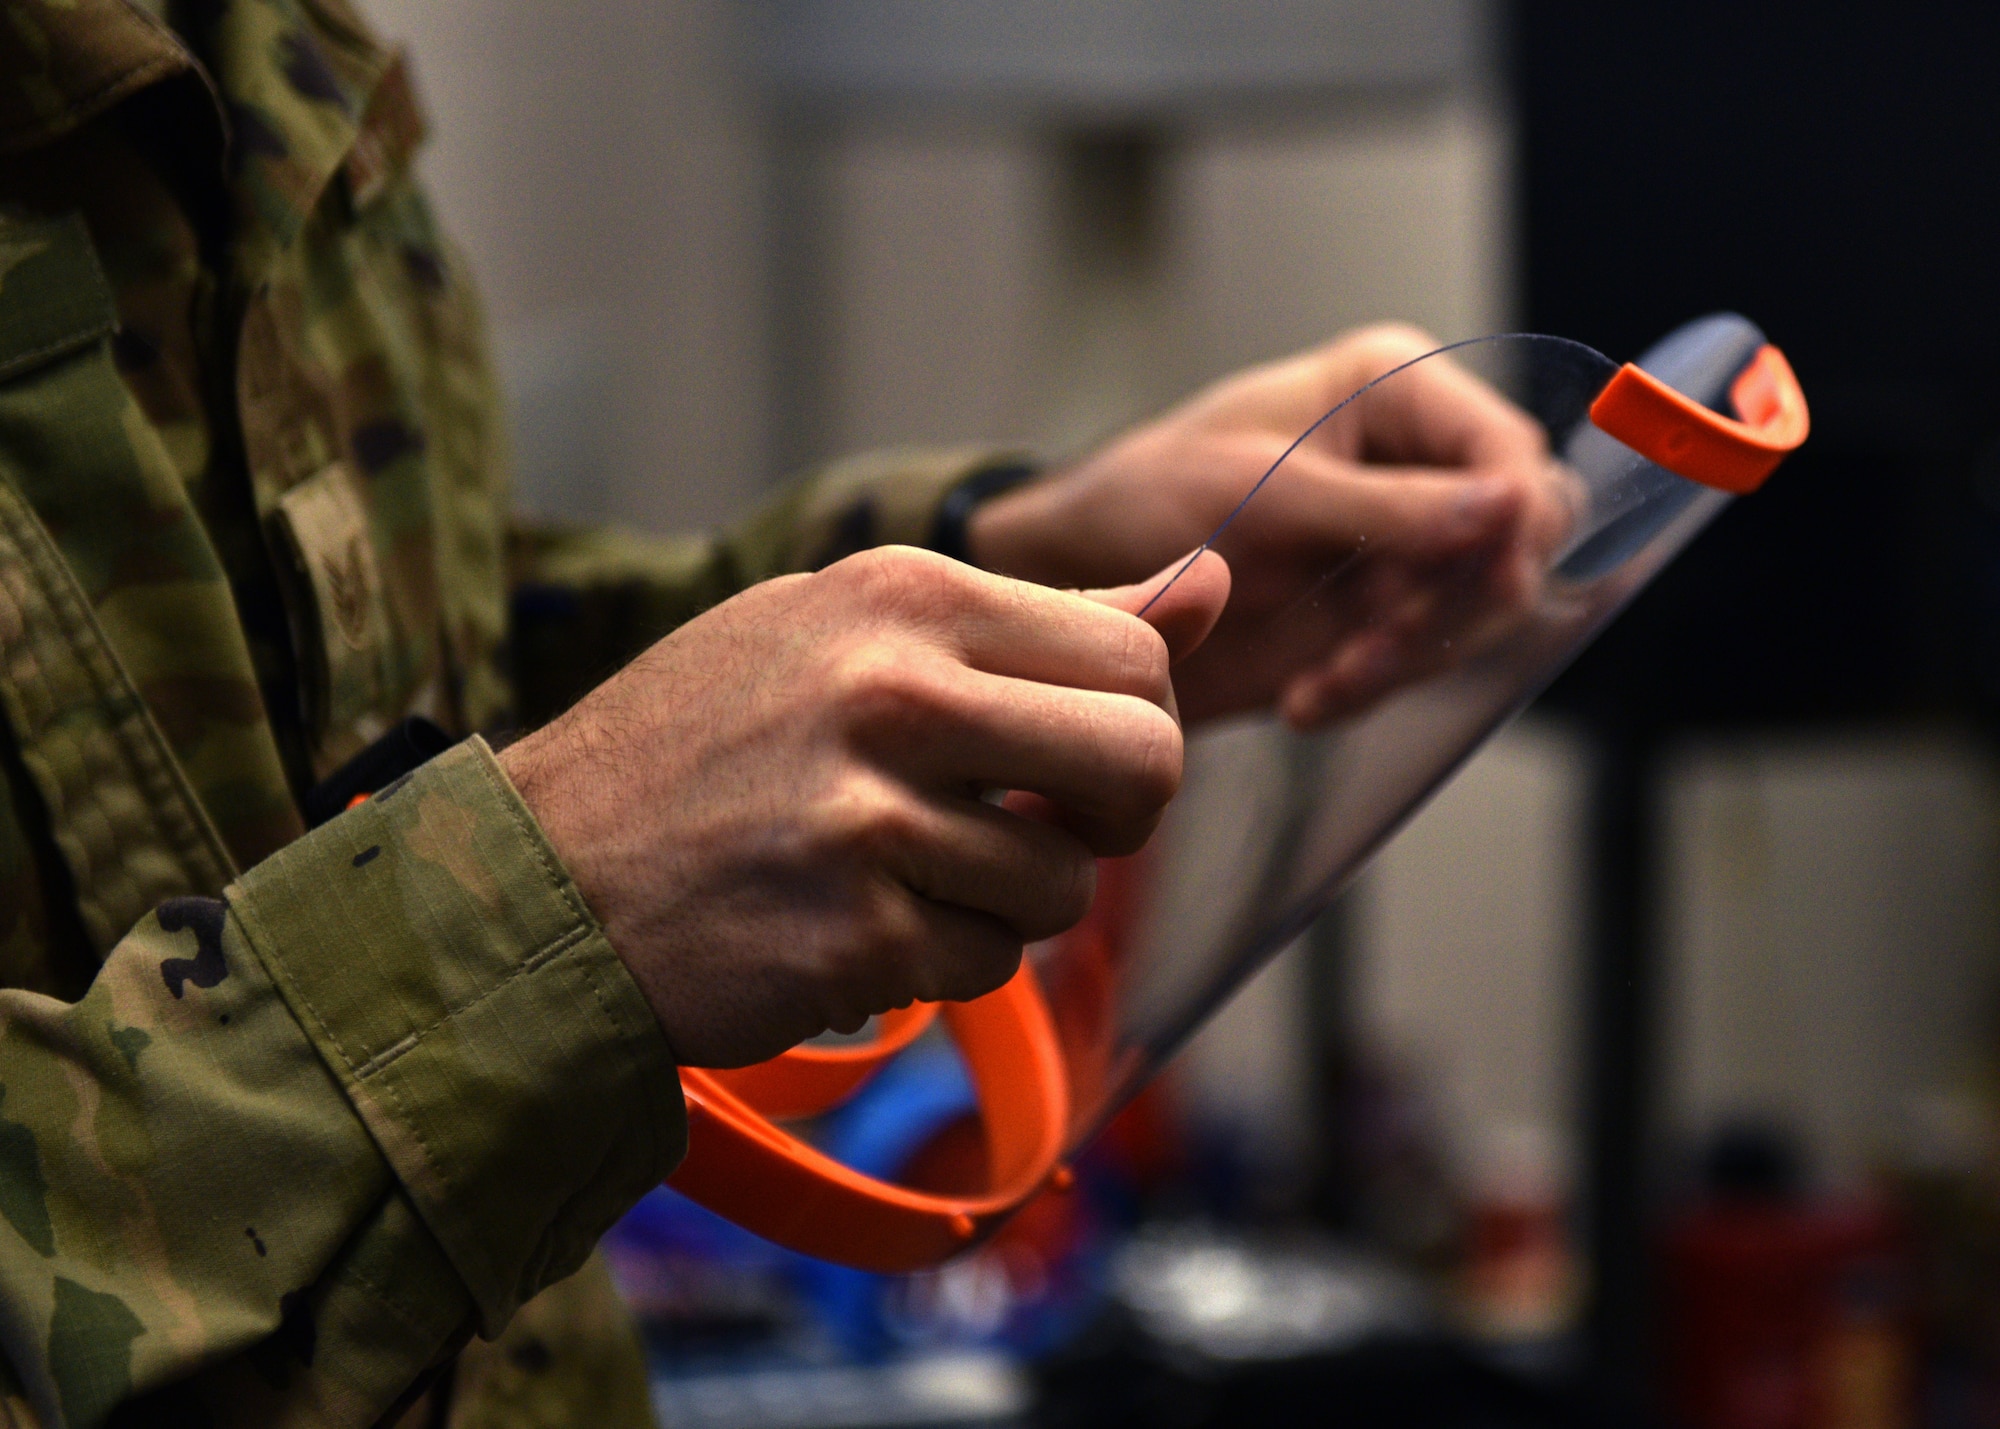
<point x="937" y="256"/>
<point x="1296" y="233"/>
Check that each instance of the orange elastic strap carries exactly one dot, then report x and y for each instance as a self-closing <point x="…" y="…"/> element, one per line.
<point x="742" y="1167"/>
<point x="1678" y="433"/>
<point x="808" y="1080"/>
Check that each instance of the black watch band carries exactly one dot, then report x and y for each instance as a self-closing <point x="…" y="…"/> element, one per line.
<point x="948" y="527"/>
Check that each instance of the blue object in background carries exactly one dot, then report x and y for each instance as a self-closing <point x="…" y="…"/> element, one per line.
<point x="977" y="1299"/>
<point x="694" y="1277"/>
<point x="877" y="1133"/>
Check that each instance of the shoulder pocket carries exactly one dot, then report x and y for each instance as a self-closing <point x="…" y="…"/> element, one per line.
<point x="53" y="297"/>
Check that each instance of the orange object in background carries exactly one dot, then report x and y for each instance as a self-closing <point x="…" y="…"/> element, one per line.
<point x="1787" y="1314"/>
<point x="1521" y="1282"/>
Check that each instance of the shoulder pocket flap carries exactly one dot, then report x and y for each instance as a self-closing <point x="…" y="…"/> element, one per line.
<point x="53" y="296"/>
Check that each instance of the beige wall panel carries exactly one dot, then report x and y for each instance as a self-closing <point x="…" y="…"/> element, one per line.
<point x="1469" y="933"/>
<point x="1833" y="935"/>
<point x="1290" y="235"/>
<point x="957" y="313"/>
<point x="938" y="255"/>
<point x="604" y="169"/>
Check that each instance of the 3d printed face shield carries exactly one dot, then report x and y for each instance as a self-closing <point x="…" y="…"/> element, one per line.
<point x="1646" y="455"/>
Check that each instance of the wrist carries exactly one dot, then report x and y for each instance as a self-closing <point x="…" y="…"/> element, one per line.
<point x="1019" y="532"/>
<point x="963" y="508"/>
<point x="544" y="772"/>
<point x="563" y="796"/>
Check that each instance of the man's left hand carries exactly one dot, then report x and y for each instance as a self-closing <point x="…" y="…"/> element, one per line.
<point x="1422" y="519"/>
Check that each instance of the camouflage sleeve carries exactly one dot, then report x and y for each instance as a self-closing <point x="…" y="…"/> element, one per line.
<point x="586" y="601"/>
<point x="293" y="1145"/>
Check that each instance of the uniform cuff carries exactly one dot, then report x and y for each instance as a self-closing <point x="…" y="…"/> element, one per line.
<point x="443" y="963"/>
<point x="884" y="498"/>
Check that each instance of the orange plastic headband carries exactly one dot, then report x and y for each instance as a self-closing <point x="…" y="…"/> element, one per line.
<point x="741" y="1166"/>
<point x="1689" y="440"/>
<point x="808" y="1080"/>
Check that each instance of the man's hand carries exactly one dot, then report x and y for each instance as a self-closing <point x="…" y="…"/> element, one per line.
<point x="1420" y="520"/>
<point x="776" y="811"/>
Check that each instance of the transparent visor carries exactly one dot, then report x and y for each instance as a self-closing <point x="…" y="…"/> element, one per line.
<point x="1346" y="683"/>
<point x="1414" y="569"/>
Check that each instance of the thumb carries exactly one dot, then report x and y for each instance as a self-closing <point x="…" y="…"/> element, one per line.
<point x="1191" y="604"/>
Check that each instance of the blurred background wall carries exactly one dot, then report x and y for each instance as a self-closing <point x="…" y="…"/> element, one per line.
<point x="605" y="167"/>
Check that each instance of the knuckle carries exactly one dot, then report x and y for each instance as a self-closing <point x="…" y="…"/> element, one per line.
<point x="1122" y="839"/>
<point x="846" y="1020"/>
<point x="869" y="971"/>
<point x="1157" y="760"/>
<point x="1060" y="891"/>
<point x="1144" y="763"/>
<point x="891" y="690"/>
<point x="1266" y="448"/>
<point x="1392" y="342"/>
<point x="1518" y="587"/>
<point x="1142" y="659"/>
<point x="893" y="930"/>
<point x="994" y="968"/>
<point x="980" y="960"/>
<point x="1073" y="886"/>
<point x="1524" y="432"/>
<point x="900" y="579"/>
<point x="878" y="822"/>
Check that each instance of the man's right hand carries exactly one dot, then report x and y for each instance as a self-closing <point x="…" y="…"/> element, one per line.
<point x="776" y="811"/>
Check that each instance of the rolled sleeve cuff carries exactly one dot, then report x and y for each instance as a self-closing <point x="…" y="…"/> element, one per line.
<point x="883" y="498"/>
<point x="443" y="963"/>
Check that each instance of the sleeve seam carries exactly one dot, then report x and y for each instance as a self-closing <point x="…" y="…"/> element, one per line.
<point x="385" y="1093"/>
<point x="383" y="1296"/>
<point x="489" y="767"/>
<point x="635" y="1065"/>
<point x="389" y="1055"/>
<point x="563" y="885"/>
<point x="23" y="363"/>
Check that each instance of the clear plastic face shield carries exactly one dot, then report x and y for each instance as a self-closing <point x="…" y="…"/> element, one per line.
<point x="1385" y="666"/>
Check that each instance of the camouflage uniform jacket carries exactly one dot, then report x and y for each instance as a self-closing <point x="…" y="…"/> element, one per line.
<point x="286" y="1117"/>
